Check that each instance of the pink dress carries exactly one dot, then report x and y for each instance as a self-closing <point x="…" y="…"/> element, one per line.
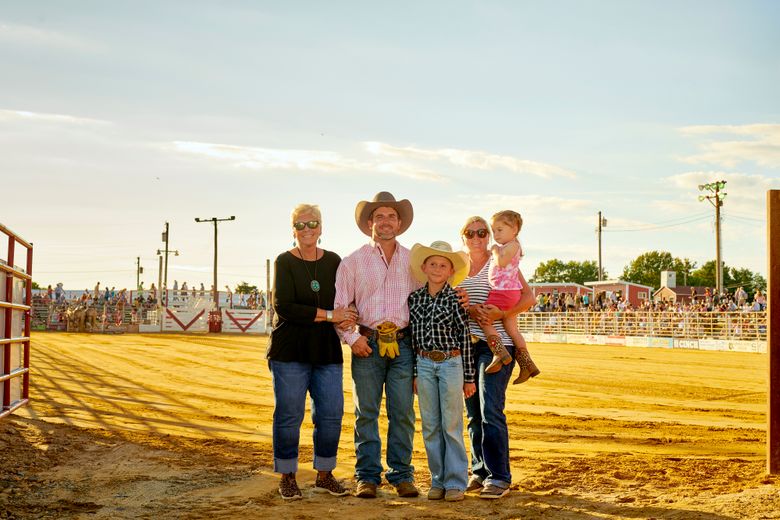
<point x="505" y="286"/>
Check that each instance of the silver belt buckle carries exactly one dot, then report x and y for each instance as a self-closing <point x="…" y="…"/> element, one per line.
<point x="437" y="355"/>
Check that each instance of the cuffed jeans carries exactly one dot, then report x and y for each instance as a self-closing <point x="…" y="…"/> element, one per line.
<point x="371" y="375"/>
<point x="487" y="423"/>
<point x="440" y="395"/>
<point x="325" y="385"/>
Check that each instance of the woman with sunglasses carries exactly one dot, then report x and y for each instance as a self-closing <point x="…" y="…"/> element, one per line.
<point x="304" y="354"/>
<point x="490" y="472"/>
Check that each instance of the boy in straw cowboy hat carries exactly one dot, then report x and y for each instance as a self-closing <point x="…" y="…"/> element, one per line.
<point x="376" y="279"/>
<point x="444" y="369"/>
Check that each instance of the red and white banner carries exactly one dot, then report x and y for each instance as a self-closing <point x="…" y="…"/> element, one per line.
<point x="243" y="321"/>
<point x="184" y="321"/>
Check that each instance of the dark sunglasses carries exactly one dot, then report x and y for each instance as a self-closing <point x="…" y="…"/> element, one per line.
<point x="481" y="233"/>
<point x="312" y="224"/>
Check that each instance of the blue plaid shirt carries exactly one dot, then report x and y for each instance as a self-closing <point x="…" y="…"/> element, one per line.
<point x="440" y="323"/>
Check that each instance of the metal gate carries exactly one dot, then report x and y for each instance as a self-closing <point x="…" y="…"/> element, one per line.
<point x="15" y="308"/>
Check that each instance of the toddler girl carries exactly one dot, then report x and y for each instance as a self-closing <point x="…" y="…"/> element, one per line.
<point x="505" y="292"/>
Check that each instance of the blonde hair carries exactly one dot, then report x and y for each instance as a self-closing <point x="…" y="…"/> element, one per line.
<point x="512" y="218"/>
<point x="471" y="220"/>
<point x="300" y="209"/>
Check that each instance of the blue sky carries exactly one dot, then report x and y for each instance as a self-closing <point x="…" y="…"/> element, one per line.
<point x="118" y="116"/>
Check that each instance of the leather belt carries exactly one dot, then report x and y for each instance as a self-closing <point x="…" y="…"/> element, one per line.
<point x="438" y="355"/>
<point x="371" y="333"/>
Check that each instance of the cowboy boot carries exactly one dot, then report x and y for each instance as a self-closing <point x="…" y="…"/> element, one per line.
<point x="528" y="368"/>
<point x="500" y="354"/>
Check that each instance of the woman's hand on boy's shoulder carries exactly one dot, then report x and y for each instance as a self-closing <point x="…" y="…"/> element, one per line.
<point x="463" y="297"/>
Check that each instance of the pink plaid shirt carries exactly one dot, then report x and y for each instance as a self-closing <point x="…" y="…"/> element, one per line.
<point x="379" y="290"/>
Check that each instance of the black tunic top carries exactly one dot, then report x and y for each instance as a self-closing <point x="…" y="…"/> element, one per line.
<point x="295" y="336"/>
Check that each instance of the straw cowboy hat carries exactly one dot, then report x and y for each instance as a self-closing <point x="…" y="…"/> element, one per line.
<point x="383" y="199"/>
<point x="460" y="261"/>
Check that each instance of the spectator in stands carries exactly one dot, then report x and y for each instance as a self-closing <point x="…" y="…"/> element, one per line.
<point x="229" y="297"/>
<point x="304" y="354"/>
<point x="760" y="299"/>
<point x="202" y="290"/>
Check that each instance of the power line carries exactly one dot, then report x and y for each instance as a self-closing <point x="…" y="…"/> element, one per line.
<point x="651" y="227"/>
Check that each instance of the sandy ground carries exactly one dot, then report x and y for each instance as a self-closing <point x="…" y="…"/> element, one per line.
<point x="179" y="426"/>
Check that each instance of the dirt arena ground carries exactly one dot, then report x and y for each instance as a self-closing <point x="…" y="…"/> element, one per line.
<point x="179" y="426"/>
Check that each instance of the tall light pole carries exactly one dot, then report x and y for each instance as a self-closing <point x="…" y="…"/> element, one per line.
<point x="215" y="220"/>
<point x="602" y="223"/>
<point x="164" y="285"/>
<point x="716" y="199"/>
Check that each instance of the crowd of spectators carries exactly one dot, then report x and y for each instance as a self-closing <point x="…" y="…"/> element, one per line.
<point x="709" y="301"/>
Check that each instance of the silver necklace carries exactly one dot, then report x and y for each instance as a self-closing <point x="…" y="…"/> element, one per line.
<point x="315" y="285"/>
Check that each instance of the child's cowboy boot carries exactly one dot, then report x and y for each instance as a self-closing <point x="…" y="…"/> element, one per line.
<point x="500" y="354"/>
<point x="526" y="365"/>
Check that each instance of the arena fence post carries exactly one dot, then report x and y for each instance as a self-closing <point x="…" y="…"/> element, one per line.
<point x="15" y="363"/>
<point x="773" y="329"/>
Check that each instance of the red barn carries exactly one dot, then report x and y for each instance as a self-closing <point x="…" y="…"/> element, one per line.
<point x="558" y="288"/>
<point x="636" y="294"/>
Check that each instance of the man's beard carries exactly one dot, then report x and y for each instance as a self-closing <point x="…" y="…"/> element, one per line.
<point x="386" y="235"/>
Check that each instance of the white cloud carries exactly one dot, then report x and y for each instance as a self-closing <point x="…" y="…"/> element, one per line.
<point x="269" y="158"/>
<point x="301" y="160"/>
<point x="470" y="159"/>
<point x="41" y="117"/>
<point x="30" y="35"/>
<point x="760" y="144"/>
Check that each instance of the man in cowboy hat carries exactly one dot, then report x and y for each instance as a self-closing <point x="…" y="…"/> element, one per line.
<point x="377" y="280"/>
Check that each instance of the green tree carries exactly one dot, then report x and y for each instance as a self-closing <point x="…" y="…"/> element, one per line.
<point x="550" y="271"/>
<point x="581" y="272"/>
<point x="646" y="268"/>
<point x="245" y="288"/>
<point x="35" y="285"/>
<point x="556" y="270"/>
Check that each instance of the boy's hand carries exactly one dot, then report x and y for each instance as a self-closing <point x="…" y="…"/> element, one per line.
<point x="469" y="389"/>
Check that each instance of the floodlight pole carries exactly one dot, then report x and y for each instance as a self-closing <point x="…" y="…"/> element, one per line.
<point x="773" y="330"/>
<point x="215" y="220"/>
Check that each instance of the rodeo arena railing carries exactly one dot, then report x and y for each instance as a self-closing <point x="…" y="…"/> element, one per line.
<point x="15" y="299"/>
<point x="740" y="331"/>
<point x="138" y="311"/>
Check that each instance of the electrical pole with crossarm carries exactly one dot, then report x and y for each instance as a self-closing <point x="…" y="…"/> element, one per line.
<point x="215" y="220"/>
<point x="716" y="199"/>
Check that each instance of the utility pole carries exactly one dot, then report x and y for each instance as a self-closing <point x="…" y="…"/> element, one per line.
<point x="602" y="223"/>
<point x="716" y="199"/>
<point x="164" y="285"/>
<point x="138" y="271"/>
<point x="215" y="220"/>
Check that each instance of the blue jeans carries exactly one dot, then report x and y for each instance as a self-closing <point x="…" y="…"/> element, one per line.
<point x="371" y="375"/>
<point x="487" y="423"/>
<point x="440" y="395"/>
<point x="325" y="385"/>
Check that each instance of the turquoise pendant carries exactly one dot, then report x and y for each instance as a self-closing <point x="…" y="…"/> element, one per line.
<point x="315" y="286"/>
